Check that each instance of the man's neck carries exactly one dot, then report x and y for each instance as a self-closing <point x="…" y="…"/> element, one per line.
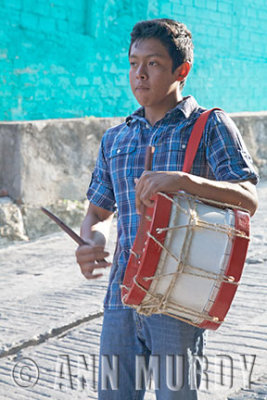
<point x="154" y="114"/>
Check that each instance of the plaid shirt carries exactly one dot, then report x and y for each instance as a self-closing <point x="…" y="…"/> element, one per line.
<point x="221" y="155"/>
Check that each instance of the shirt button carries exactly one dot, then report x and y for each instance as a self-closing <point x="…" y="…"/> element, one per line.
<point x="183" y="146"/>
<point x="147" y="126"/>
<point x="118" y="151"/>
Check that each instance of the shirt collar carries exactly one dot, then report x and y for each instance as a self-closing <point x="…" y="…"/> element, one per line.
<point x="186" y="106"/>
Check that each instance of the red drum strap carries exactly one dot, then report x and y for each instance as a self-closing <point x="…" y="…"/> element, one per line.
<point x="195" y="138"/>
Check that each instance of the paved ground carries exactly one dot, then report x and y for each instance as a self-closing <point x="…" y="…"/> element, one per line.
<point x="51" y="320"/>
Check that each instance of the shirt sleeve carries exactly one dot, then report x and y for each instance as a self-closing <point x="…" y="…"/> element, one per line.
<point x="226" y="151"/>
<point x="100" y="191"/>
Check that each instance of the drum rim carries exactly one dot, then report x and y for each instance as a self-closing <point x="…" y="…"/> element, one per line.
<point x="134" y="295"/>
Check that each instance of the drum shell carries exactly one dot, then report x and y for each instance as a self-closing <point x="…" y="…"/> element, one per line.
<point x="147" y="259"/>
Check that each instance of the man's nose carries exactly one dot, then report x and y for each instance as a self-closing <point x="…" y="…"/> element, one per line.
<point x="141" y="72"/>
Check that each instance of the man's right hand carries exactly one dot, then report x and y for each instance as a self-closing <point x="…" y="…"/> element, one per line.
<point x="90" y="258"/>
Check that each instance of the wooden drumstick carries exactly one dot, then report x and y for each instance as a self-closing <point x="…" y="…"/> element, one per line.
<point x="139" y="240"/>
<point x="66" y="228"/>
<point x="149" y="157"/>
<point x="148" y="165"/>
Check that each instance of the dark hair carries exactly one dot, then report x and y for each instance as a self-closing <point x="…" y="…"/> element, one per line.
<point x="173" y="35"/>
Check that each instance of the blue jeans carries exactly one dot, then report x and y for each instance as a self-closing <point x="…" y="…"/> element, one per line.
<point x="133" y="346"/>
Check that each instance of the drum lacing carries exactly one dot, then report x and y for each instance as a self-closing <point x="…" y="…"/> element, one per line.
<point x="134" y="254"/>
<point x="230" y="231"/>
<point x="159" y="307"/>
<point x="162" y="303"/>
<point x="195" y="221"/>
<point x="208" y="274"/>
<point x="202" y="199"/>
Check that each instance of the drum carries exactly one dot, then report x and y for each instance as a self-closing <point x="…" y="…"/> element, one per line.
<point x="187" y="259"/>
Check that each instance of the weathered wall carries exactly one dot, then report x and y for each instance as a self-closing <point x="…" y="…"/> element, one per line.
<point x="65" y="59"/>
<point x="50" y="163"/>
<point x="44" y="161"/>
<point x="49" y="160"/>
<point x="253" y="128"/>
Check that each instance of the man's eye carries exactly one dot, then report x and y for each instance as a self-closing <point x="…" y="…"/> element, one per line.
<point x="132" y="63"/>
<point x="153" y="63"/>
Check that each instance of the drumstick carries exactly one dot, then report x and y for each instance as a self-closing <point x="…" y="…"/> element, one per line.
<point x="149" y="157"/>
<point x="148" y="165"/>
<point x="139" y="240"/>
<point x="67" y="229"/>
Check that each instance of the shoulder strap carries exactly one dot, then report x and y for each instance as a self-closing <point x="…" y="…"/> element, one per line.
<point x="195" y="138"/>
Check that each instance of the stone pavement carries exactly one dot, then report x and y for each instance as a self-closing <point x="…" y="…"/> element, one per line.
<point x="51" y="320"/>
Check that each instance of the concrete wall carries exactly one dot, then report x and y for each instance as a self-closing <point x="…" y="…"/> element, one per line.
<point x="45" y="161"/>
<point x="253" y="128"/>
<point x="65" y="59"/>
<point x="49" y="163"/>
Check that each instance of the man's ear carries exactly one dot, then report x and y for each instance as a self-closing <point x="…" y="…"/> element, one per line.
<point x="182" y="71"/>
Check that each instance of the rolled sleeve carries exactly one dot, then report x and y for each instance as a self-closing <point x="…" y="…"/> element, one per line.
<point x="226" y="152"/>
<point x="100" y="191"/>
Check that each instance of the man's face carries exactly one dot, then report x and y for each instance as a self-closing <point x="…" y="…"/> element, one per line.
<point x="151" y="77"/>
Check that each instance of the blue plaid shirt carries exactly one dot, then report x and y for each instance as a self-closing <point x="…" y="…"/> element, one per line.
<point x="221" y="155"/>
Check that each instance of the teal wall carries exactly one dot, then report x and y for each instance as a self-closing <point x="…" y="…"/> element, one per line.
<point x="65" y="58"/>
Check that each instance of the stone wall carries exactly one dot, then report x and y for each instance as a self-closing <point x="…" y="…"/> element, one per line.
<point x="253" y="128"/>
<point x="44" y="161"/>
<point x="49" y="163"/>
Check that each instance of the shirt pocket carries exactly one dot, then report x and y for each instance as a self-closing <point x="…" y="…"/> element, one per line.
<point x="121" y="160"/>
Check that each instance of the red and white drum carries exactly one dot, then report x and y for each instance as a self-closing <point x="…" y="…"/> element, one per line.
<point x="187" y="259"/>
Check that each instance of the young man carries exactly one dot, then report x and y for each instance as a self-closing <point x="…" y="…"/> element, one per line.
<point x="160" y="55"/>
